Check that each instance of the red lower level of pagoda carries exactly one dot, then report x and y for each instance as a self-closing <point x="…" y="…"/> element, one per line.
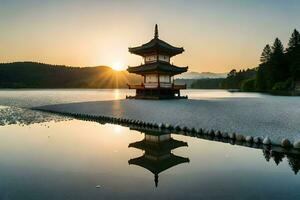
<point x="157" y="92"/>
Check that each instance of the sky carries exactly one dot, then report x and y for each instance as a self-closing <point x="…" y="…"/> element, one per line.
<point x="217" y="35"/>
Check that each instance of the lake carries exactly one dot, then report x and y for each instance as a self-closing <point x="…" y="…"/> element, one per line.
<point x="47" y="156"/>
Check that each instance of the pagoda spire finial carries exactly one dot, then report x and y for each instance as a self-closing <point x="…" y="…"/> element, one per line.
<point x="156" y="31"/>
<point x="156" y="179"/>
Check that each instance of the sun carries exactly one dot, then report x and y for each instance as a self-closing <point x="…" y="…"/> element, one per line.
<point x="118" y="66"/>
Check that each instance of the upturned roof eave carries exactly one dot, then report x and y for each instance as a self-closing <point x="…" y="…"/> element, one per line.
<point x="161" y="146"/>
<point x="156" y="45"/>
<point x="157" y="67"/>
<point x="159" y="166"/>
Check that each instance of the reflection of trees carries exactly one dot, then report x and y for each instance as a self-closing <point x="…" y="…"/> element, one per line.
<point x="267" y="154"/>
<point x="294" y="162"/>
<point x="277" y="157"/>
<point x="292" y="158"/>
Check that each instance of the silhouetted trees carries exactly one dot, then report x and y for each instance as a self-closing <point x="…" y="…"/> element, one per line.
<point x="267" y="154"/>
<point x="294" y="162"/>
<point x="277" y="157"/>
<point x="235" y="79"/>
<point x="278" y="70"/>
<point x="275" y="70"/>
<point x="292" y="159"/>
<point x="39" y="75"/>
<point x="276" y="74"/>
<point x="266" y="54"/>
<point x="293" y="55"/>
<point x="294" y="41"/>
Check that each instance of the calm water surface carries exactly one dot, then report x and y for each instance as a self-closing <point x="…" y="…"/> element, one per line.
<point x="44" y="156"/>
<point x="30" y="98"/>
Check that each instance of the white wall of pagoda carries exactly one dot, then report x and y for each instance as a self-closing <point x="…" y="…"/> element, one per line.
<point x="154" y="57"/>
<point x="157" y="158"/>
<point x="150" y="59"/>
<point x="164" y="78"/>
<point x="151" y="81"/>
<point x="151" y="78"/>
<point x="164" y="58"/>
<point x="159" y="138"/>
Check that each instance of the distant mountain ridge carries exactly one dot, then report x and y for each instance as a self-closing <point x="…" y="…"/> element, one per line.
<point x="201" y="75"/>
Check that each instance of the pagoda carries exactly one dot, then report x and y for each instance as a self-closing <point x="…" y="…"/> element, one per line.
<point x="157" y="157"/>
<point x="157" y="71"/>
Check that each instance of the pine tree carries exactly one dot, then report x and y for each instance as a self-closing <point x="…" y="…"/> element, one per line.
<point x="293" y="54"/>
<point x="277" y="48"/>
<point x="294" y="162"/>
<point x="294" y="41"/>
<point x="266" y="54"/>
<point x="277" y="69"/>
<point x="277" y="156"/>
<point x="232" y="73"/>
<point x="266" y="154"/>
<point x="261" y="81"/>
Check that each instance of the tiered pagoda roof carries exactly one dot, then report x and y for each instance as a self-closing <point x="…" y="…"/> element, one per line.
<point x="159" y="66"/>
<point x="161" y="147"/>
<point x="157" y="167"/>
<point x="157" y="45"/>
<point x="157" y="70"/>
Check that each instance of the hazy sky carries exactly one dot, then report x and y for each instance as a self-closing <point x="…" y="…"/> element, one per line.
<point x="217" y="35"/>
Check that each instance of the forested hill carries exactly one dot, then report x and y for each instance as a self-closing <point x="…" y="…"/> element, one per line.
<point x="278" y="72"/>
<point x="39" y="75"/>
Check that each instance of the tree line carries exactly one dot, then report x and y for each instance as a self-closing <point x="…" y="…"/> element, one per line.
<point x="40" y="75"/>
<point x="236" y="79"/>
<point x="279" y="69"/>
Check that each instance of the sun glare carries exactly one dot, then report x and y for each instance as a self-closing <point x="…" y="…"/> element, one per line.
<point x="117" y="66"/>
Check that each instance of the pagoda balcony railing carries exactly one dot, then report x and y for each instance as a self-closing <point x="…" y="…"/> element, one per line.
<point x="171" y="86"/>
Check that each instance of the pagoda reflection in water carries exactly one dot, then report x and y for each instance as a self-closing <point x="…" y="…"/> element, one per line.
<point x="157" y="157"/>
